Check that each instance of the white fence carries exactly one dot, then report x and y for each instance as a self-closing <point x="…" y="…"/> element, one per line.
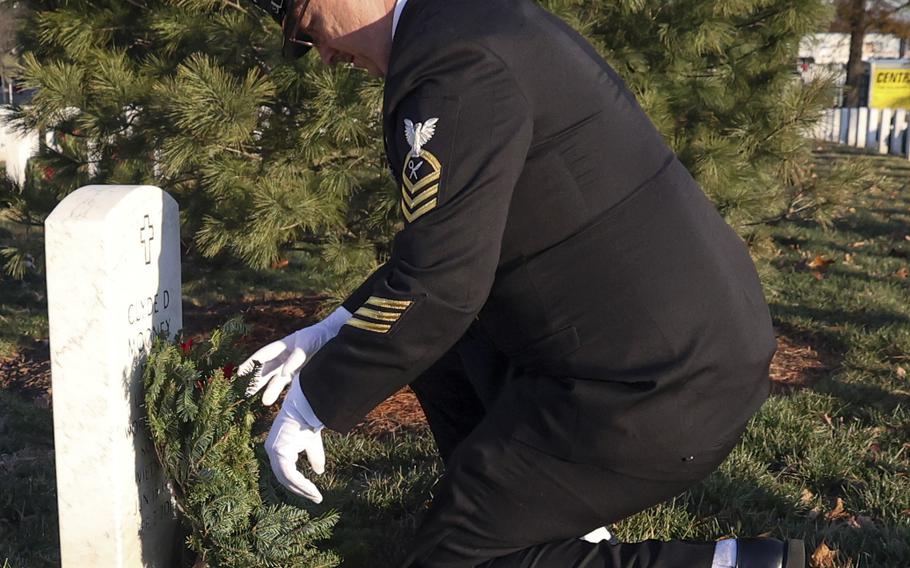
<point x="882" y="130"/>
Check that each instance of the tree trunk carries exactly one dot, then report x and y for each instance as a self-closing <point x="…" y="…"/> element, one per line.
<point x="857" y="21"/>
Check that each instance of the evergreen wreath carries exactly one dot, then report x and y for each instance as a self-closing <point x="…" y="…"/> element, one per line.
<point x="201" y="422"/>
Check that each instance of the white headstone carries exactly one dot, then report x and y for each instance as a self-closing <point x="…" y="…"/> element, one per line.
<point x="113" y="280"/>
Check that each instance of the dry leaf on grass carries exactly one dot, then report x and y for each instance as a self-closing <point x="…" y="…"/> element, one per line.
<point x="903" y="273"/>
<point x="823" y="557"/>
<point x="858" y="244"/>
<point x="806" y="497"/>
<point x="902" y="372"/>
<point x="820" y="262"/>
<point x="839" y="512"/>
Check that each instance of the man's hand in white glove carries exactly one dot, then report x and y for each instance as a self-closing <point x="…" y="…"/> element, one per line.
<point x="296" y="429"/>
<point x="283" y="358"/>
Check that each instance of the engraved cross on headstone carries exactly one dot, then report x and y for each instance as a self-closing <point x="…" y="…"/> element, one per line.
<point x="147" y="241"/>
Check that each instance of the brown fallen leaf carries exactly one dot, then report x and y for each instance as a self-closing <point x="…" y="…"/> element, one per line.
<point x="806" y="497"/>
<point x="902" y="373"/>
<point x="903" y="273"/>
<point x="280" y="263"/>
<point x="820" y="262"/>
<point x="858" y="244"/>
<point x="828" y="420"/>
<point x="848" y="258"/>
<point x="838" y="512"/>
<point x="818" y="275"/>
<point x="823" y="557"/>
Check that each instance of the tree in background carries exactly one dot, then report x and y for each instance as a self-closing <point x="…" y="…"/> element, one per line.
<point x="719" y="81"/>
<point x="265" y="156"/>
<point x="859" y="17"/>
<point x="193" y="96"/>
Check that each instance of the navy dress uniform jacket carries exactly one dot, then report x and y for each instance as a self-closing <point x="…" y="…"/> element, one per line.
<point x="541" y="204"/>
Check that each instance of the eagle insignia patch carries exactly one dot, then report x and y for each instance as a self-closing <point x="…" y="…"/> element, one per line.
<point x="421" y="172"/>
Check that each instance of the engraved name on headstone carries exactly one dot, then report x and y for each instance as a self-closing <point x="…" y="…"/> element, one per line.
<point x="113" y="279"/>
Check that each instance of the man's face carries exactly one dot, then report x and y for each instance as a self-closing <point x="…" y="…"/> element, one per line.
<point x="349" y="31"/>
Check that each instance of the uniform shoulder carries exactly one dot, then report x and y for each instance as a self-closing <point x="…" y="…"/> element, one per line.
<point x="443" y="27"/>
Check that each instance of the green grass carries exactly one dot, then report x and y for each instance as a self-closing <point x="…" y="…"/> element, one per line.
<point x="846" y="437"/>
<point x="23" y="304"/>
<point x="28" y="506"/>
<point x="204" y="285"/>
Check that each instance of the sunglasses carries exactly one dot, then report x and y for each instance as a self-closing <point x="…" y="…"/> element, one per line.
<point x="296" y="41"/>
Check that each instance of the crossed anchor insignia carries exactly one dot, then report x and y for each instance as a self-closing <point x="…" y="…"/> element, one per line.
<point x="419" y="192"/>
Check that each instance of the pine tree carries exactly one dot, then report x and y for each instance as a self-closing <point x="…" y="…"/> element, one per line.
<point x="718" y="79"/>
<point x="265" y="155"/>
<point x="194" y="97"/>
<point x="201" y="424"/>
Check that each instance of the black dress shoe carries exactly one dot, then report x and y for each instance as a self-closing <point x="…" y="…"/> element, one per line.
<point x="770" y="553"/>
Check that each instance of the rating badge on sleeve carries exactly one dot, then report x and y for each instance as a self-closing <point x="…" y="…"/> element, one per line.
<point x="421" y="173"/>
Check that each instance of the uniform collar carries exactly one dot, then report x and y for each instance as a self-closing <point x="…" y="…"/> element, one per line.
<point x="399" y="6"/>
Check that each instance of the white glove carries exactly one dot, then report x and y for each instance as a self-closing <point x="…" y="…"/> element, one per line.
<point x="296" y="429"/>
<point x="598" y="535"/>
<point x="283" y="358"/>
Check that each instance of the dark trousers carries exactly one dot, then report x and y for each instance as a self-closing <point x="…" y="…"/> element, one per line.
<point x="503" y="503"/>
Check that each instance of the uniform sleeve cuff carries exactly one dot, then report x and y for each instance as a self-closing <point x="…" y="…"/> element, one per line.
<point x="303" y="407"/>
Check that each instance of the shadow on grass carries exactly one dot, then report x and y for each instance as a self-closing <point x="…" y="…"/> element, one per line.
<point x="23" y="315"/>
<point x="380" y="487"/>
<point x="833" y="317"/>
<point x="28" y="495"/>
<point x="747" y="506"/>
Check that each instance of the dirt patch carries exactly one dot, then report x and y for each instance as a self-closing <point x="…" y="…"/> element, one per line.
<point x="28" y="374"/>
<point x="400" y="413"/>
<point x="269" y="320"/>
<point x="796" y="365"/>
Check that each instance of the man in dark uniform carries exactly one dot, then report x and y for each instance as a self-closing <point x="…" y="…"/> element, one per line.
<point x="586" y="334"/>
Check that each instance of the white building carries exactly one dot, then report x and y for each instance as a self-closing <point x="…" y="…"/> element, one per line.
<point x="834" y="48"/>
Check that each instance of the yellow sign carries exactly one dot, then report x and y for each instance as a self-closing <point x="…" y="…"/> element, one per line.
<point x="889" y="85"/>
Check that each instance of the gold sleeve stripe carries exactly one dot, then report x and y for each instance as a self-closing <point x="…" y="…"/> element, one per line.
<point x="414" y="202"/>
<point x="377" y="315"/>
<point x="415" y="188"/>
<point x="369" y="326"/>
<point x="386" y="303"/>
<point x="411" y="217"/>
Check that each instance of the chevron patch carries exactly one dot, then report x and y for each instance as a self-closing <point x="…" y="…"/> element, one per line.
<point x="378" y="314"/>
<point x="420" y="185"/>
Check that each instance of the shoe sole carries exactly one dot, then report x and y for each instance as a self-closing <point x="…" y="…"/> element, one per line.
<point x="796" y="554"/>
